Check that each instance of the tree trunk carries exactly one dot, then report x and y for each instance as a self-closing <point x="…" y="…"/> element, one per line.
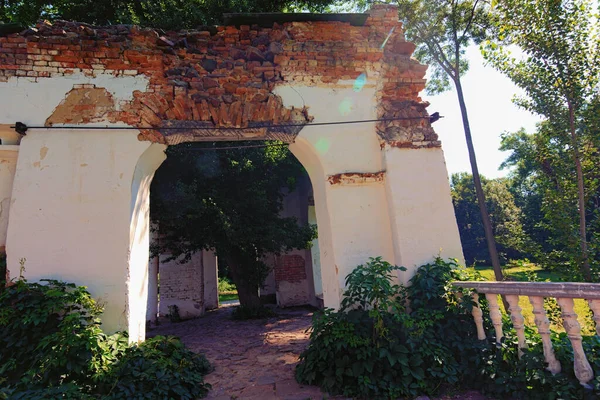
<point x="247" y="291"/>
<point x="585" y="262"/>
<point x="485" y="216"/>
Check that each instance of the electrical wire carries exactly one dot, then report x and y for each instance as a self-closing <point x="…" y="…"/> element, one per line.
<point x="21" y="126"/>
<point x="239" y="147"/>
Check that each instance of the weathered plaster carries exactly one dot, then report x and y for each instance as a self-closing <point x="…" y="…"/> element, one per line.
<point x="33" y="100"/>
<point x="79" y="199"/>
<point x="211" y="280"/>
<point x="71" y="212"/>
<point x="182" y="285"/>
<point x="8" y="166"/>
<point x="139" y="236"/>
<point x="315" y="255"/>
<point x="418" y="196"/>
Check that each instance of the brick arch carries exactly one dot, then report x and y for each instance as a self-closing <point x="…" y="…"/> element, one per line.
<point x="203" y="82"/>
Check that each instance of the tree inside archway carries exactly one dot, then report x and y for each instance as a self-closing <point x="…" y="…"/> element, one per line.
<point x="230" y="201"/>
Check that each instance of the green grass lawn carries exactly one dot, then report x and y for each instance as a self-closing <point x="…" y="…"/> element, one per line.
<point x="228" y="296"/>
<point x="519" y="273"/>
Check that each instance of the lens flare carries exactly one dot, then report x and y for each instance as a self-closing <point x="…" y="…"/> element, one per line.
<point x="345" y="107"/>
<point x="387" y="38"/>
<point x="323" y="145"/>
<point x="360" y="82"/>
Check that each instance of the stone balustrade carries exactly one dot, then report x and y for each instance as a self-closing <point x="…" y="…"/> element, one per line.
<point x="536" y="292"/>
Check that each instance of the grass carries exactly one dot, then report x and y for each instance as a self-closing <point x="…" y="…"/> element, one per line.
<point x="227" y="290"/>
<point x="228" y="296"/>
<point x="520" y="273"/>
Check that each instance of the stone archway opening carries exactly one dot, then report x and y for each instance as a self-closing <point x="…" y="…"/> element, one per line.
<point x="187" y="284"/>
<point x="102" y="104"/>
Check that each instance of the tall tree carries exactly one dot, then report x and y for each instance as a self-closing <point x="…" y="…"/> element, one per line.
<point x="442" y="30"/>
<point x="505" y="216"/>
<point x="544" y="186"/>
<point x="559" y="72"/>
<point x="228" y="200"/>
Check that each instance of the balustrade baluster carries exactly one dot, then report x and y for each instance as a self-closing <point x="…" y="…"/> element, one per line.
<point x="478" y="317"/>
<point x="517" y="319"/>
<point x="543" y="325"/>
<point x="495" y="315"/>
<point x="583" y="370"/>
<point x="595" y="306"/>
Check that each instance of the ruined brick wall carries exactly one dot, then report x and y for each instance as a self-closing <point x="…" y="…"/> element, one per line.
<point x="182" y="285"/>
<point x="208" y="80"/>
<point x="290" y="268"/>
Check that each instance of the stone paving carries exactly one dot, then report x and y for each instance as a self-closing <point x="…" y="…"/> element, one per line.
<point x="255" y="359"/>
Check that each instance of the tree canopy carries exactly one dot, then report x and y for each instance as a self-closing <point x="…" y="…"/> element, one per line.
<point x="559" y="70"/>
<point x="505" y="215"/>
<point x="228" y="200"/>
<point x="165" y="14"/>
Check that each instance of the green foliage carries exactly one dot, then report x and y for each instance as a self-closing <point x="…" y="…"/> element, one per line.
<point x="388" y="353"/>
<point x="229" y="200"/>
<point x="242" y="313"/>
<point x="49" y="334"/>
<point x="433" y="347"/>
<point x="159" y="368"/>
<point x="225" y="286"/>
<point x="173" y="314"/>
<point x="442" y="31"/>
<point x="370" y="288"/>
<point x="504" y="215"/>
<point x="557" y="167"/>
<point x="165" y="14"/>
<point x="51" y="346"/>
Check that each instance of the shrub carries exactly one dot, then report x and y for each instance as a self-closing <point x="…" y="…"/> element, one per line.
<point x="160" y="367"/>
<point x="49" y="334"/>
<point x="225" y="286"/>
<point x="51" y="346"/>
<point x="373" y="348"/>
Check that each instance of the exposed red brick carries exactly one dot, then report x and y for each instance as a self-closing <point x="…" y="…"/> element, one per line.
<point x="290" y="268"/>
<point x="227" y="79"/>
<point x="350" y="178"/>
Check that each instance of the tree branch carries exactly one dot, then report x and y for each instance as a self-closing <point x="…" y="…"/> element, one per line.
<point x="470" y="21"/>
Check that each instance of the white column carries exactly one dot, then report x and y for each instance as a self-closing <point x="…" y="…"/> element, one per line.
<point x="72" y="211"/>
<point x="420" y="205"/>
<point x="211" y="280"/>
<point x="152" y="307"/>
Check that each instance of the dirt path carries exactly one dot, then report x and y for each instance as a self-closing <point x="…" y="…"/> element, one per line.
<point x="255" y="360"/>
<point x="252" y="359"/>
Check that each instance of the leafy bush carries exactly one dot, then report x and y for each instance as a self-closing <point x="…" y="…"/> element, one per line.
<point x="49" y="334"/>
<point x="160" y="367"/>
<point x="375" y="347"/>
<point x="225" y="286"/>
<point x="51" y="346"/>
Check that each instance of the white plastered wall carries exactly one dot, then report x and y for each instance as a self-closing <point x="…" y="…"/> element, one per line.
<point x="423" y="221"/>
<point x="71" y="213"/>
<point x="8" y="166"/>
<point x="407" y="218"/>
<point x="79" y="198"/>
<point x="353" y="220"/>
<point x="211" y="280"/>
<point x="139" y="234"/>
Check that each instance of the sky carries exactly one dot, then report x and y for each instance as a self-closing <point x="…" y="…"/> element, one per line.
<point x="488" y="96"/>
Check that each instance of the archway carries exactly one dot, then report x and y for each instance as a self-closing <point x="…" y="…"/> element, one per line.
<point x="344" y="94"/>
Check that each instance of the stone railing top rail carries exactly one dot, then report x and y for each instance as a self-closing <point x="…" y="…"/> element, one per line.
<point x="542" y="289"/>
